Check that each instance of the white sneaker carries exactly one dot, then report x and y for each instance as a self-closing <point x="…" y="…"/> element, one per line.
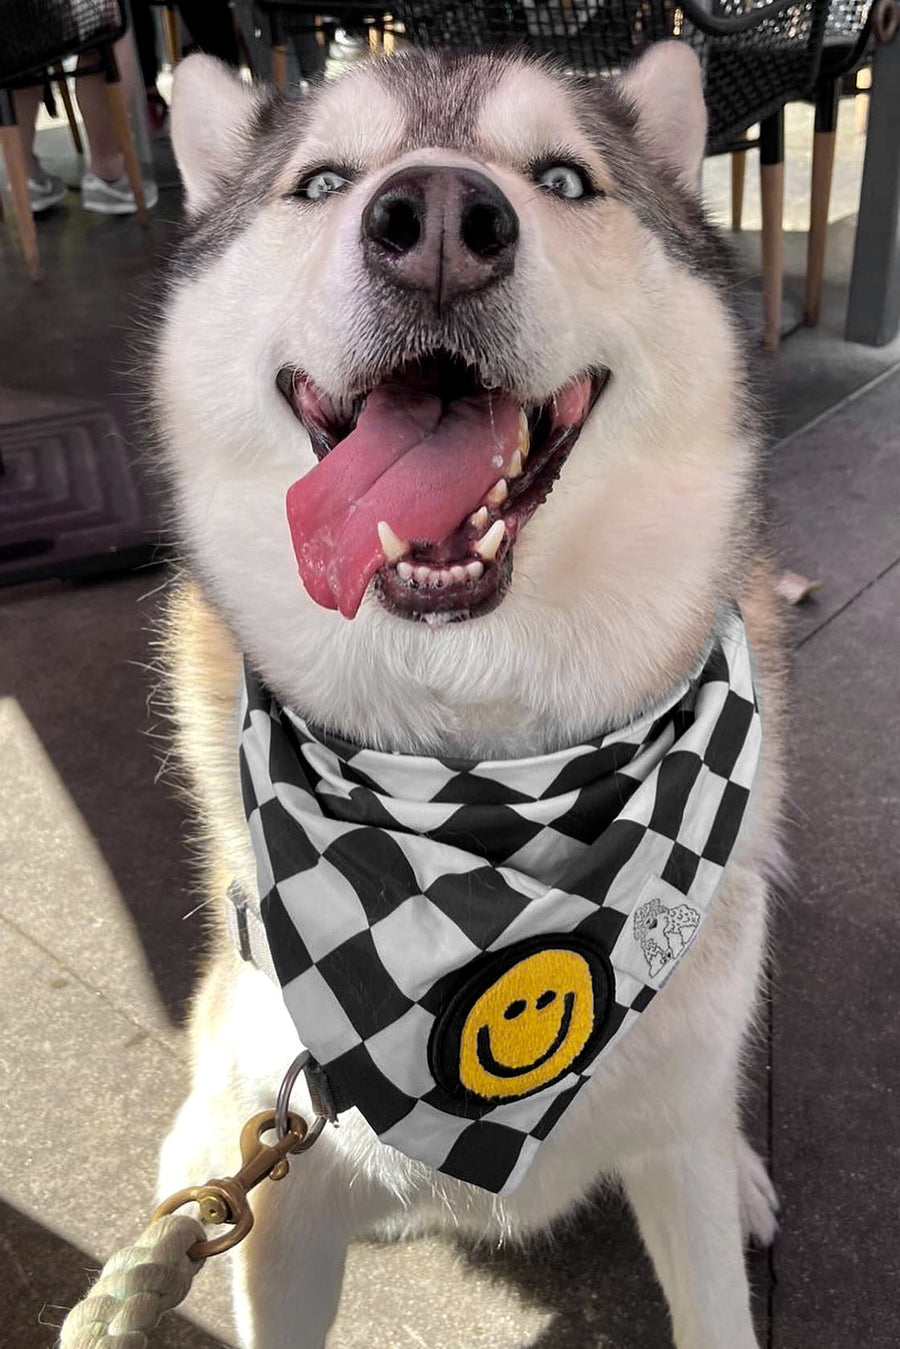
<point x="114" y="198"/>
<point x="45" y="191"/>
<point x="348" y="46"/>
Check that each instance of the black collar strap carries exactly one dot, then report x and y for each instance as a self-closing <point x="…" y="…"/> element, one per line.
<point x="459" y="942"/>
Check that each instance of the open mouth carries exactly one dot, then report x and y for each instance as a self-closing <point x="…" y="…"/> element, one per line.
<point x="424" y="483"/>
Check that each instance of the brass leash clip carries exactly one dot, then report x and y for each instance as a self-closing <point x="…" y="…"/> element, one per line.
<point x="225" y="1200"/>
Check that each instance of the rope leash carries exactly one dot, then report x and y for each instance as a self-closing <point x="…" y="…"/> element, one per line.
<point x="153" y="1275"/>
<point x="136" y="1287"/>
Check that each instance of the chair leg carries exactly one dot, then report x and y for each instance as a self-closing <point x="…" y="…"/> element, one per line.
<point x="118" y="108"/>
<point x="822" y="165"/>
<point x="17" y="173"/>
<point x="62" y="85"/>
<point x="280" y="67"/>
<point x="173" y="34"/>
<point x="861" y="101"/>
<point x="738" y="174"/>
<point x="771" y="178"/>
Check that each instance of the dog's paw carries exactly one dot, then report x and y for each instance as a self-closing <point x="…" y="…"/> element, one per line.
<point x="756" y="1195"/>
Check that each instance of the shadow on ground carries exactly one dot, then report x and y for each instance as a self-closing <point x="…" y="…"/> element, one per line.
<point x="44" y="1276"/>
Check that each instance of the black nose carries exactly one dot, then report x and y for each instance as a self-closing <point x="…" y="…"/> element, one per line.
<point x="444" y="231"/>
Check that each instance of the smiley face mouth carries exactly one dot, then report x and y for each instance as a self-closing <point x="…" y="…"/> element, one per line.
<point x="492" y="1065"/>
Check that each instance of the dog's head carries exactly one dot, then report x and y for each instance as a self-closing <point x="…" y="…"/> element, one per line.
<point x="412" y="306"/>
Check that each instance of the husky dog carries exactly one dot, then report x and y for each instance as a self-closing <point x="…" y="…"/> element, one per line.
<point x="526" y="251"/>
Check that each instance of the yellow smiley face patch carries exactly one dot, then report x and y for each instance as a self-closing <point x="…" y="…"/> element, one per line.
<point x="524" y="1020"/>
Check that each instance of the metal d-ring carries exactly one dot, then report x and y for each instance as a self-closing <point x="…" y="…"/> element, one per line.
<point x="283" y="1102"/>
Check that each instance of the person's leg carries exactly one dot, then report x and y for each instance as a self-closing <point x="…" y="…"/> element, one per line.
<point x="212" y="28"/>
<point x="145" y="40"/>
<point x="255" y="39"/>
<point x="106" y="159"/>
<point x="44" y="189"/>
<point x="106" y="102"/>
<point x="311" y="54"/>
<point x="144" y="30"/>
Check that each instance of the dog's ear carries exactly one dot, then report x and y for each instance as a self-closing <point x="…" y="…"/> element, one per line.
<point x="665" y="87"/>
<point x="211" y="111"/>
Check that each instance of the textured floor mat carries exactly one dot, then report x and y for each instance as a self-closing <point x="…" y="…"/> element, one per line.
<point x="69" y="505"/>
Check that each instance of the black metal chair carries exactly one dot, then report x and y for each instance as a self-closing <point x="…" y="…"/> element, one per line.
<point x="290" y="20"/>
<point x="755" y="58"/>
<point x="36" y="36"/>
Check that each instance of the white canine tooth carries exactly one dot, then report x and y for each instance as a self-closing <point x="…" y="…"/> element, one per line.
<point x="475" y="570"/>
<point x="514" y="467"/>
<point x="480" y="519"/>
<point x="392" y="547"/>
<point x="405" y="571"/>
<point x="498" y="493"/>
<point x="523" y="444"/>
<point x="486" y="548"/>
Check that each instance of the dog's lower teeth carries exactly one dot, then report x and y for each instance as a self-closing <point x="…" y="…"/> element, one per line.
<point x="498" y="493"/>
<point x="438" y="578"/>
<point x="487" y="547"/>
<point x="480" y="519"/>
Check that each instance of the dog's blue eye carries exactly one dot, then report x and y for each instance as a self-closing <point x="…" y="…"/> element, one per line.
<point x="323" y="184"/>
<point x="563" y="181"/>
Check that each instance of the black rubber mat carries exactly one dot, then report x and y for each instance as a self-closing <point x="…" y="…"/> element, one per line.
<point x="69" y="504"/>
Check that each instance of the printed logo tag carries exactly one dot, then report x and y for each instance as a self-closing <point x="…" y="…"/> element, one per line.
<point x="661" y="925"/>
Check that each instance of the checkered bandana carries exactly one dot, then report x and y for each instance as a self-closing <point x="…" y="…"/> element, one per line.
<point x="459" y="942"/>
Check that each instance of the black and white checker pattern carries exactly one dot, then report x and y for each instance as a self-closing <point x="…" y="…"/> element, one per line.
<point x="383" y="876"/>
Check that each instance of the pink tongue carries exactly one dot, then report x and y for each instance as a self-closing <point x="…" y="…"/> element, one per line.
<point x="412" y="461"/>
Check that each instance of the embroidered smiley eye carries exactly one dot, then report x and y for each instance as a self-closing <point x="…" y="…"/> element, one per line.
<point x="515" y="1009"/>
<point x="545" y="999"/>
